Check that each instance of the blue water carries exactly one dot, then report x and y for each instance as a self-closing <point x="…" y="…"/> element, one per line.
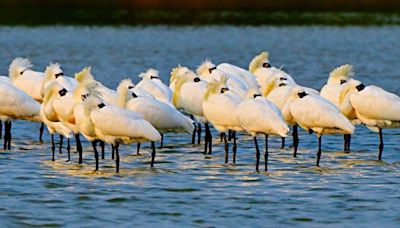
<point x="186" y="188"/>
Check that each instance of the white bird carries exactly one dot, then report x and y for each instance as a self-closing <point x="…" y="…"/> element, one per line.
<point x="54" y="72"/>
<point x="261" y="67"/>
<point x="219" y="108"/>
<point x="188" y="94"/>
<point x="15" y="104"/>
<point x="117" y="126"/>
<point x="53" y="94"/>
<point x="23" y="77"/>
<point x="208" y="72"/>
<point x="243" y="74"/>
<point x="316" y="114"/>
<point x="162" y="116"/>
<point x="333" y="88"/>
<point x="152" y="84"/>
<point x="373" y="106"/>
<point x="109" y="96"/>
<point x="256" y="115"/>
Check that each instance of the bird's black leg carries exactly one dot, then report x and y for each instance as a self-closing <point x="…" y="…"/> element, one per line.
<point x="319" y="149"/>
<point x="162" y="141"/>
<point x="53" y="147"/>
<point x="283" y="143"/>
<point x="347" y="138"/>
<point x="102" y="145"/>
<point x="209" y="139"/>
<point x="257" y="153"/>
<point x="5" y="134"/>
<point x="61" y="143"/>
<point x="194" y="130"/>
<point x="295" y="140"/>
<point x="138" y="149"/>
<point x="229" y="135"/>
<point x="68" y="150"/>
<point x="112" y="151"/>
<point x="9" y="135"/>
<point x="206" y="139"/>
<point x="380" y="144"/>
<point x="1" y="129"/>
<point x="96" y="155"/>
<point x="41" y="129"/>
<point x="348" y="143"/>
<point x="153" y="154"/>
<point x="199" y="133"/>
<point x="234" y="147"/>
<point x="266" y="153"/>
<point x="79" y="147"/>
<point x="226" y="147"/>
<point x="221" y="137"/>
<point x="117" y="157"/>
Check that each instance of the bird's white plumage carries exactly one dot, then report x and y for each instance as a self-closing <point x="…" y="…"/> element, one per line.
<point x="152" y="84"/>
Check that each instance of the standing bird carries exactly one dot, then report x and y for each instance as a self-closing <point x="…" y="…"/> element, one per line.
<point x="188" y="94"/>
<point x="117" y="126"/>
<point x="162" y="116"/>
<point x="373" y="106"/>
<point x="152" y="84"/>
<point x="219" y="107"/>
<point x="54" y="72"/>
<point x="315" y="113"/>
<point x="23" y="77"/>
<point x="259" y="116"/>
<point x="15" y="104"/>
<point x="333" y="88"/>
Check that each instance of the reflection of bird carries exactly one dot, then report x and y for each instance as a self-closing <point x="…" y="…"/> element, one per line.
<point x="259" y="116"/>
<point x="219" y="107"/>
<point x="333" y="88"/>
<point x="162" y="116"/>
<point x="117" y="126"/>
<point x="316" y="114"/>
<point x="373" y="106"/>
<point x="152" y="84"/>
<point x="15" y="104"/>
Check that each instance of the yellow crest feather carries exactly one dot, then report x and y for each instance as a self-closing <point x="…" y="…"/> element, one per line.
<point x="84" y="74"/>
<point x="344" y="71"/>
<point x="258" y="60"/>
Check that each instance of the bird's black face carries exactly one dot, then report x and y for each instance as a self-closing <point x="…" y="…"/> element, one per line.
<point x="223" y="90"/>
<point x="153" y="77"/>
<point x="102" y="105"/>
<point x="59" y="74"/>
<point x="342" y="81"/>
<point x="302" y="94"/>
<point x="196" y="79"/>
<point x="130" y="87"/>
<point x="134" y="95"/>
<point x="282" y="84"/>
<point x="211" y="69"/>
<point x="256" y="95"/>
<point x="283" y="79"/>
<point x="62" y="92"/>
<point x="266" y="65"/>
<point x="360" y="87"/>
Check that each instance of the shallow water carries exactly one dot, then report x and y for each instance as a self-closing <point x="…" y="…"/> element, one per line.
<point x="186" y="188"/>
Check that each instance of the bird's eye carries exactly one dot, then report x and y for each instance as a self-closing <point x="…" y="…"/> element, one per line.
<point x="153" y="77"/>
<point x="266" y="65"/>
<point x="196" y="79"/>
<point x="130" y="87"/>
<point x="283" y="79"/>
<point x="360" y="87"/>
<point x="62" y="92"/>
<point x="134" y="95"/>
<point x="59" y="74"/>
<point x="256" y="95"/>
<point x="223" y="90"/>
<point x="343" y="81"/>
<point x="302" y="94"/>
<point x="101" y="105"/>
<point x="211" y="69"/>
<point x="20" y="73"/>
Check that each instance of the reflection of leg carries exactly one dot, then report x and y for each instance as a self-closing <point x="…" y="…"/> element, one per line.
<point x="1" y="129"/>
<point x="283" y="143"/>
<point x="112" y="151"/>
<point x="162" y="141"/>
<point x="102" y="145"/>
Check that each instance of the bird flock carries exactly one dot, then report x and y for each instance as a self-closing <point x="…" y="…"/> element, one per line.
<point x="261" y="101"/>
